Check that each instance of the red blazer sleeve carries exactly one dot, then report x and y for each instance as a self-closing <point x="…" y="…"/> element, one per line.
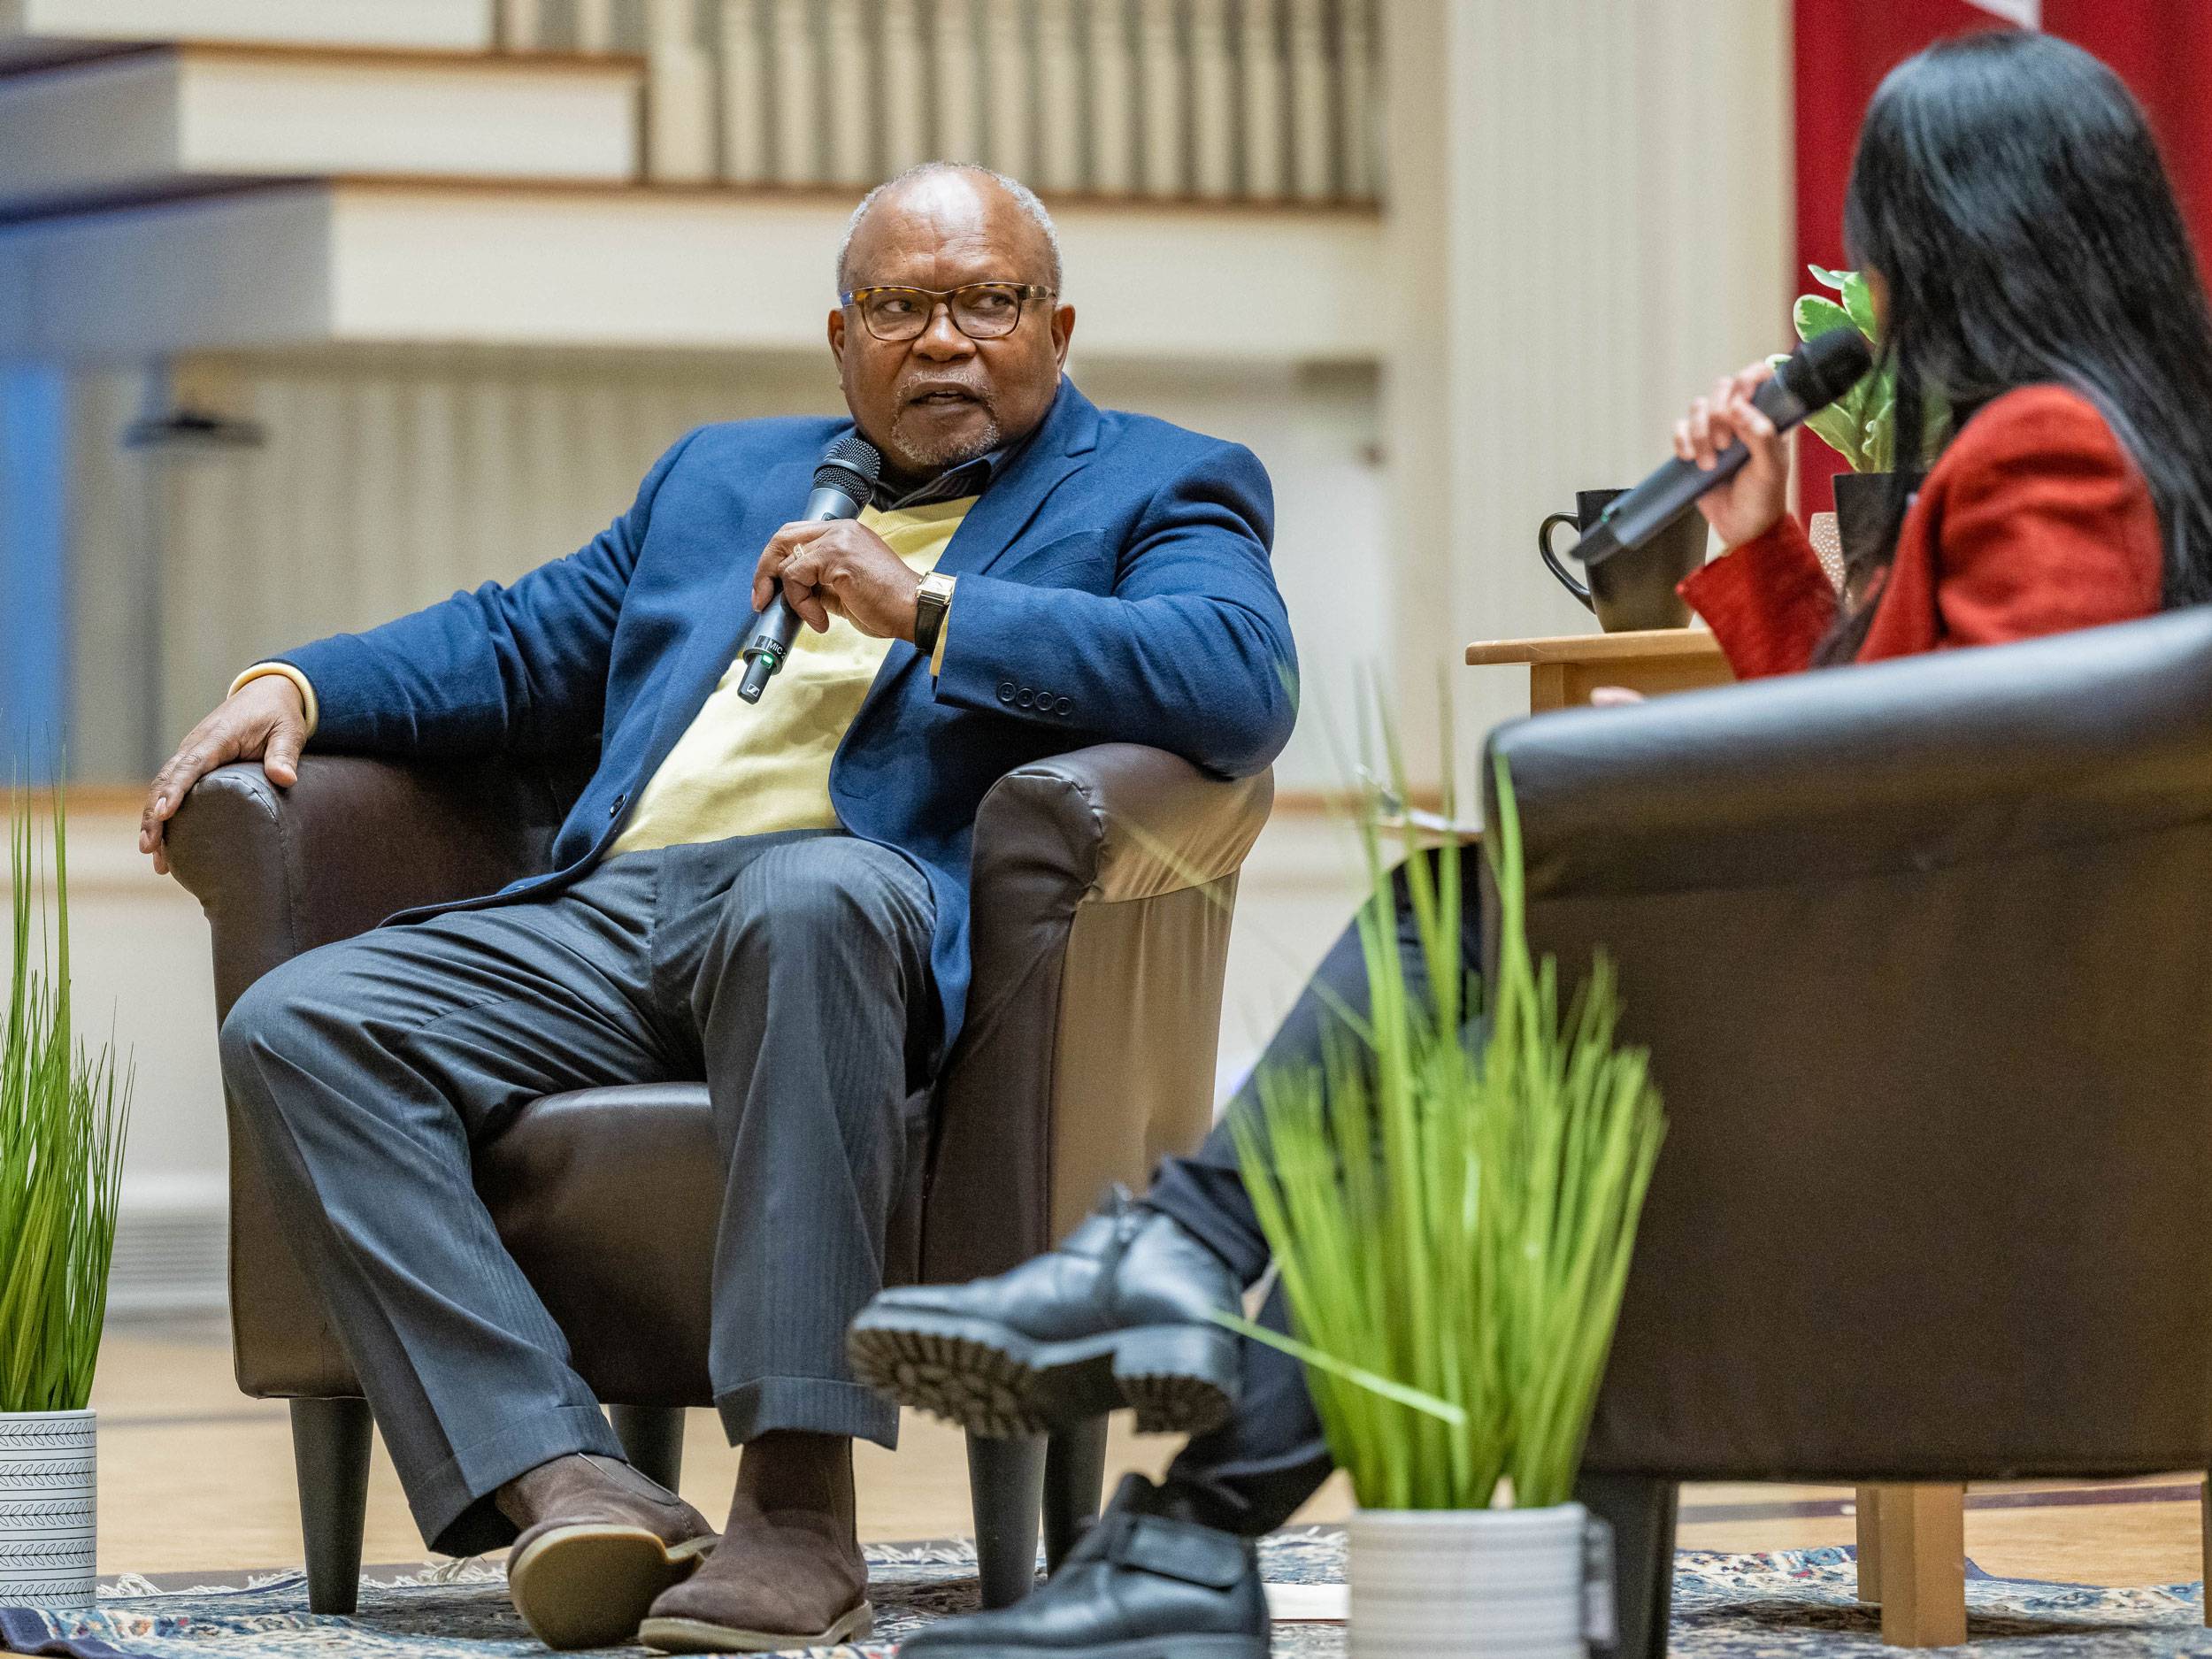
<point x="1768" y="601"/>
<point x="2044" y="525"/>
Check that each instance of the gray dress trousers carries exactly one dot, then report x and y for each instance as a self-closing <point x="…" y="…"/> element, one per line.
<point x="790" y="971"/>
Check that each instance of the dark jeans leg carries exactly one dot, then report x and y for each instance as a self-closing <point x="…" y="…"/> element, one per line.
<point x="1204" y="1192"/>
<point x="1251" y="1474"/>
<point x="805" y="962"/>
<point x="364" y="1074"/>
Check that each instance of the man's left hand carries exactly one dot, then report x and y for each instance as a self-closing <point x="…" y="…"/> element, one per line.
<point x="842" y="569"/>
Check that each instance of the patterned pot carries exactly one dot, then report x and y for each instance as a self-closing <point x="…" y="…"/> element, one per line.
<point x="47" y="1498"/>
<point x="1470" y="1584"/>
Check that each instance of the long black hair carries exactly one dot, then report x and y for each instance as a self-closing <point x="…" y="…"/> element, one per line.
<point x="2007" y="191"/>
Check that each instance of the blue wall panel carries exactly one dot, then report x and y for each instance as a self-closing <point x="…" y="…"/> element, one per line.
<point x="34" y="569"/>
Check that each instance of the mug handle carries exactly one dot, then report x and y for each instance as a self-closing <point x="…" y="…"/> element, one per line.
<point x="1543" y="546"/>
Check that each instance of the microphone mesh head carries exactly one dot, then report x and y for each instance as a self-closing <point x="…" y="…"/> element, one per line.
<point x="851" y="457"/>
<point x="1826" y="366"/>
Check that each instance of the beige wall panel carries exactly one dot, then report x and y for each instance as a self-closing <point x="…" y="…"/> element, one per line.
<point x="1590" y="219"/>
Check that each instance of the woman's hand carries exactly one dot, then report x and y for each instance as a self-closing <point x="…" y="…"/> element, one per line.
<point x="1753" y="502"/>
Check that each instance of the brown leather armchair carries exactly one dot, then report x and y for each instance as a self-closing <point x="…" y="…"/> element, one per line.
<point x="1923" y="954"/>
<point x="1103" y="881"/>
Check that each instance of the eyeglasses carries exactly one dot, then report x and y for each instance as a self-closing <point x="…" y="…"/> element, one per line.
<point x="981" y="310"/>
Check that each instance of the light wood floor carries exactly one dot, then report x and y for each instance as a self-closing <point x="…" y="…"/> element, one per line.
<point x="195" y="1478"/>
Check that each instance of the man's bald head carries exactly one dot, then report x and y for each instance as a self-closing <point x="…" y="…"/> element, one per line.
<point x="950" y="192"/>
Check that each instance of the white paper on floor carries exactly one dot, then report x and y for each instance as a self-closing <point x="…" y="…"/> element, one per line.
<point x="1308" y="1603"/>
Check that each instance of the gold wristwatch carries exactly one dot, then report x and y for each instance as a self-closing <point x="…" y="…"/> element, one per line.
<point x="930" y="605"/>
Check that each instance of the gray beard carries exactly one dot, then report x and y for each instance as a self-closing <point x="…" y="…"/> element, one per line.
<point x="928" y="458"/>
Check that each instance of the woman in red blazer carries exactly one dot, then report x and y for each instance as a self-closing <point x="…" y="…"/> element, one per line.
<point x="2030" y="272"/>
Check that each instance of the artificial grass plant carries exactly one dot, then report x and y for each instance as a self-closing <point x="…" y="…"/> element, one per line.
<point x="63" y="1115"/>
<point x="1453" y="1214"/>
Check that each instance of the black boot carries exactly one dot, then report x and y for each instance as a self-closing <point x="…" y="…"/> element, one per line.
<point x="1118" y="1315"/>
<point x="1139" y="1584"/>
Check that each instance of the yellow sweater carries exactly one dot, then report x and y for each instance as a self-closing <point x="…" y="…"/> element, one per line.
<point x="749" y="769"/>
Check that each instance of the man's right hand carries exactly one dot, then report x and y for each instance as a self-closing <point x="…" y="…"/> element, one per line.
<point x="264" y="721"/>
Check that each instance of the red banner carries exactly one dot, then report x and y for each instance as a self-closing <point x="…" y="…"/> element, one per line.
<point x="2163" y="49"/>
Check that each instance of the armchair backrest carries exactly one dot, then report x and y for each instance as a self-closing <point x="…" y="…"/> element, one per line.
<point x="1923" y="954"/>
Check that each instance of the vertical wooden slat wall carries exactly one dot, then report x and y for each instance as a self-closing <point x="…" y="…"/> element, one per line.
<point x="1260" y="100"/>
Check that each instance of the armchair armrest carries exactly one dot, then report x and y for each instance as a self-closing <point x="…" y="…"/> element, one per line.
<point x="279" y="871"/>
<point x="1103" y="885"/>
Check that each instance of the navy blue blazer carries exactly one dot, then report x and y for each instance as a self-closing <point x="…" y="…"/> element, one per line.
<point x="1114" y="587"/>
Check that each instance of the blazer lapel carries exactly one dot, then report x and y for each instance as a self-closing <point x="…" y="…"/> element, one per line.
<point x="1062" y="448"/>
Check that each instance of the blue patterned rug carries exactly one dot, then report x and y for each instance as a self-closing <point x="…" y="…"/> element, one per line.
<point x="1774" y="1606"/>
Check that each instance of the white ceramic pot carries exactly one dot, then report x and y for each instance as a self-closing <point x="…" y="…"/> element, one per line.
<point x="1470" y="1584"/>
<point x="47" y="1499"/>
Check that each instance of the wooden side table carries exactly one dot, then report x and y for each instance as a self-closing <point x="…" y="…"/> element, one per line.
<point x="1563" y="670"/>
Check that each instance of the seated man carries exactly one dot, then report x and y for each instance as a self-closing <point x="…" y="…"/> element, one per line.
<point x="771" y="896"/>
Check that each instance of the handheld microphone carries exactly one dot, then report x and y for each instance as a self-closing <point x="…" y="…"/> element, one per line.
<point x="1819" y="373"/>
<point x="842" y="484"/>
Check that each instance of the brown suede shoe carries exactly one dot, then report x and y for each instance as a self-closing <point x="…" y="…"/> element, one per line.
<point x="599" y="1542"/>
<point x="782" y="1576"/>
<point x="779" y="1585"/>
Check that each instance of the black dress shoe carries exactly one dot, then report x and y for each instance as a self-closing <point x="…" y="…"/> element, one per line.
<point x="1119" y="1315"/>
<point x="1139" y="1584"/>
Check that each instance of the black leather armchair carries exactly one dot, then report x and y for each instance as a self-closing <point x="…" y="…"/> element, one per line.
<point x="1923" y="954"/>
<point x="1103" y="885"/>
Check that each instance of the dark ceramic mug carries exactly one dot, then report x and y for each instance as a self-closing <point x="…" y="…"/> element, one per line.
<point x="1635" y="588"/>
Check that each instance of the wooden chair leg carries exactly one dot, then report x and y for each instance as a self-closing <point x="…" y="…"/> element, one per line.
<point x="1006" y="1481"/>
<point x="1923" y="1565"/>
<point x="652" y="1438"/>
<point x="1075" y="1472"/>
<point x="330" y="1458"/>
<point x="1870" y="1508"/>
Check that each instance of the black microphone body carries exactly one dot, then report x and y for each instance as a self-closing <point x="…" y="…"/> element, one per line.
<point x="1819" y="373"/>
<point x="842" y="484"/>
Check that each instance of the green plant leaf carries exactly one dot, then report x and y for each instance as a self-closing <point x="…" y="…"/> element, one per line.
<point x="64" y="1113"/>
<point x="1838" y="428"/>
<point x="1359" y="1376"/>
<point x="1816" y="314"/>
<point x="1858" y="299"/>
<point x="1828" y="279"/>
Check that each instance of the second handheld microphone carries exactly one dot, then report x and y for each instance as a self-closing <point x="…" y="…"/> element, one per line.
<point x="1819" y="373"/>
<point x="842" y="484"/>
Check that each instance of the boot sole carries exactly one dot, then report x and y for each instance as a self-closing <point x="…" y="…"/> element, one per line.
<point x="993" y="1381"/>
<point x="697" y="1635"/>
<point x="588" y="1586"/>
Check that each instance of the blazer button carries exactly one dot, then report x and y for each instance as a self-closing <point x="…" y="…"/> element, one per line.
<point x="1006" y="691"/>
<point x="1062" y="706"/>
<point x="1027" y="699"/>
<point x="614" y="807"/>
